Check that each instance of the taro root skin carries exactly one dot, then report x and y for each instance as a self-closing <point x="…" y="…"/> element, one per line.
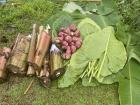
<point x="69" y="39"/>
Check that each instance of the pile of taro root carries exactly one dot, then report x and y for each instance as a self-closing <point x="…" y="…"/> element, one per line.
<point x="40" y="55"/>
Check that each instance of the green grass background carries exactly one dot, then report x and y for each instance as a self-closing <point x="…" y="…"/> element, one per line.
<point x="15" y="19"/>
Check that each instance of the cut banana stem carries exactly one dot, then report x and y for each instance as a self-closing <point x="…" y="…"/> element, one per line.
<point x="41" y="28"/>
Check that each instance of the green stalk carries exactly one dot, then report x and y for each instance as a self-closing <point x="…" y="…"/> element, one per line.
<point x="96" y="70"/>
<point x="92" y="70"/>
<point x="90" y="78"/>
<point x="89" y="69"/>
<point x="84" y="73"/>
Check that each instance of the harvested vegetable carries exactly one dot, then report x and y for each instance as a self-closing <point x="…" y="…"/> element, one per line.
<point x="44" y="45"/>
<point x="70" y="40"/>
<point x="56" y="64"/>
<point x="17" y="62"/>
<point x="44" y="76"/>
<point x="100" y="57"/>
<point x="32" y="49"/>
<point x="4" y="55"/>
<point x="87" y="26"/>
<point x="41" y="28"/>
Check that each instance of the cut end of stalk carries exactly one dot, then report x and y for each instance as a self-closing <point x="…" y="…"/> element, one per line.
<point x="16" y="70"/>
<point x="34" y="26"/>
<point x="45" y="81"/>
<point x="31" y="71"/>
<point x="59" y="72"/>
<point x="47" y="28"/>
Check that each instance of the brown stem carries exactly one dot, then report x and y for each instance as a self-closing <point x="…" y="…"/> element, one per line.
<point x="31" y="55"/>
<point x="17" y="61"/>
<point x="31" y="70"/>
<point x="45" y="73"/>
<point x="45" y="41"/>
<point x="56" y="62"/>
<point x="32" y="49"/>
<point x="41" y="28"/>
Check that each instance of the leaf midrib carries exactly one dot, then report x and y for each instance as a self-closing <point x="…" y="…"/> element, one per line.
<point x="129" y="70"/>
<point x="131" y="99"/>
<point x="100" y="69"/>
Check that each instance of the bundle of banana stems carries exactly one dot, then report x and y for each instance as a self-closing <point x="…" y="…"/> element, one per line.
<point x="33" y="55"/>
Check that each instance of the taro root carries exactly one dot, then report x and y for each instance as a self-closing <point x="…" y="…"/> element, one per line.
<point x="43" y="47"/>
<point x="17" y="62"/>
<point x="4" y="54"/>
<point x="56" y="64"/>
<point x="69" y="39"/>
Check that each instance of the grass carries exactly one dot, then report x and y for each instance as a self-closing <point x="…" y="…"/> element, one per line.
<point x="12" y="93"/>
<point x="15" y="19"/>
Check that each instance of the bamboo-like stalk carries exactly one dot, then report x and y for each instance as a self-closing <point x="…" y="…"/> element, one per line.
<point x="32" y="49"/>
<point x="43" y="47"/>
<point x="56" y="62"/>
<point x="17" y="62"/>
<point x="31" y="70"/>
<point x="45" y="73"/>
<point x="31" y="55"/>
<point x="41" y="28"/>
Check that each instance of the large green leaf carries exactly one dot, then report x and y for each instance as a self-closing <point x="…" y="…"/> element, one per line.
<point x="87" y="26"/>
<point x="63" y="19"/>
<point x="72" y="7"/>
<point x="130" y="39"/>
<point x="101" y="9"/>
<point x="112" y="60"/>
<point x="85" y="82"/>
<point x="105" y="20"/>
<point x="102" y="46"/>
<point x="80" y="59"/>
<point x="59" y="20"/>
<point x="104" y="14"/>
<point x="129" y="84"/>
